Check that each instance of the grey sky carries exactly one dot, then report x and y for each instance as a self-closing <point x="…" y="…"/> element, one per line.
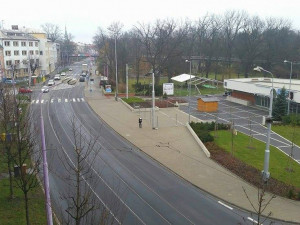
<point x="83" y="17"/>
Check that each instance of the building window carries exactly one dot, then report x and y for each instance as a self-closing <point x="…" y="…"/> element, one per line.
<point x="7" y="53"/>
<point x="16" y="52"/>
<point x="8" y="62"/>
<point x="24" y="52"/>
<point x="6" y="43"/>
<point x="23" y="44"/>
<point x="17" y="62"/>
<point x="41" y="52"/>
<point x="30" y="43"/>
<point x="31" y="52"/>
<point x="16" y="43"/>
<point x="36" y="44"/>
<point x="26" y="70"/>
<point x="225" y="84"/>
<point x="36" y="52"/>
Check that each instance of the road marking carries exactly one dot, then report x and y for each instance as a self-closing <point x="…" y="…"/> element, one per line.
<point x="32" y="101"/>
<point x="66" y="100"/>
<point x="74" y="100"/>
<point x="252" y="220"/>
<point x="42" y="101"/>
<point x="284" y="146"/>
<point x="78" y="99"/>
<point x="82" y="99"/>
<point x="298" y="160"/>
<point x="59" y="100"/>
<point x="52" y="100"/>
<point x="37" y="102"/>
<point x="223" y="204"/>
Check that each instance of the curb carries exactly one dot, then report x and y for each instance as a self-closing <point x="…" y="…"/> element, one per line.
<point x="197" y="139"/>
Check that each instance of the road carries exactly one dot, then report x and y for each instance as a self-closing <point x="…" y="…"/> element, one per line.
<point x="133" y="187"/>
<point x="247" y="120"/>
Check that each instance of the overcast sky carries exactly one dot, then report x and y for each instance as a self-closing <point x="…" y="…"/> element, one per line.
<point x="83" y="17"/>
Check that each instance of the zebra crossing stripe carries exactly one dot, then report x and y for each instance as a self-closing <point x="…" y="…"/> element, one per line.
<point x="37" y="101"/>
<point x="78" y="99"/>
<point x="52" y="100"/>
<point x="82" y="99"/>
<point x="32" y="101"/>
<point x="59" y="100"/>
<point x="74" y="100"/>
<point x="42" y="101"/>
<point x="66" y="100"/>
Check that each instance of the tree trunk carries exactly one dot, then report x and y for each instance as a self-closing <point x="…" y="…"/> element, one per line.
<point x="11" y="192"/>
<point x="26" y="208"/>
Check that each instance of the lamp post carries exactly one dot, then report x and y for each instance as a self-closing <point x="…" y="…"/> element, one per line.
<point x="153" y="103"/>
<point x="116" y="59"/>
<point x="291" y="72"/>
<point x="189" y="61"/>
<point x="265" y="172"/>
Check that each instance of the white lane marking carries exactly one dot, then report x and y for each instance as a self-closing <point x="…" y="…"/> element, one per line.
<point x="252" y="220"/>
<point x="82" y="99"/>
<point x="59" y="100"/>
<point x="42" y="101"/>
<point x="32" y="101"/>
<point x="298" y="160"/>
<point x="74" y="100"/>
<point x="66" y="100"/>
<point x="284" y="146"/>
<point x="78" y="99"/>
<point x="37" y="101"/>
<point x="52" y="100"/>
<point x="223" y="204"/>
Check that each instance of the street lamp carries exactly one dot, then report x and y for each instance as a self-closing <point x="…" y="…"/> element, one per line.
<point x="189" y="61"/>
<point x="116" y="59"/>
<point x="265" y="172"/>
<point x="291" y="72"/>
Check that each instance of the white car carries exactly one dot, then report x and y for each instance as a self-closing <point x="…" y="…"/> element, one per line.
<point x="63" y="73"/>
<point x="70" y="69"/>
<point x="51" y="82"/>
<point x="66" y="79"/>
<point x="45" y="89"/>
<point x="72" y="82"/>
<point x="57" y="77"/>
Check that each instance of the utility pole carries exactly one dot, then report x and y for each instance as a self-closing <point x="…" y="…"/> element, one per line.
<point x="153" y="103"/>
<point x="116" y="60"/>
<point x="126" y="81"/>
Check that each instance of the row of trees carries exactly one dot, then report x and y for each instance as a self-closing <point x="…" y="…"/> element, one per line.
<point x="230" y="43"/>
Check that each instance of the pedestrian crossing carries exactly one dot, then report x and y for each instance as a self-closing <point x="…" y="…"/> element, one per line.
<point x="57" y="100"/>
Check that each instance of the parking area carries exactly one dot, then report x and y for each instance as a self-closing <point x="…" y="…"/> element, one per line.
<point x="245" y="119"/>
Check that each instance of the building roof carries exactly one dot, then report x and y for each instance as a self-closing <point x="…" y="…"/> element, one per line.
<point x="209" y="99"/>
<point x="183" y="77"/>
<point x="16" y="35"/>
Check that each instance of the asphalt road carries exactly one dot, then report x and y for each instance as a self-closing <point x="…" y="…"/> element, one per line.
<point x="134" y="188"/>
<point x="247" y="120"/>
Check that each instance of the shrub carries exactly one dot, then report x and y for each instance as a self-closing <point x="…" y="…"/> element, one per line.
<point x="291" y="119"/>
<point x="291" y="193"/>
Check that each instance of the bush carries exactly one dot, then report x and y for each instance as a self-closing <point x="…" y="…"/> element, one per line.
<point x="291" y="119"/>
<point x="133" y="100"/>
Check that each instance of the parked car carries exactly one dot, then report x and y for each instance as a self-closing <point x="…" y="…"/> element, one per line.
<point x="66" y="79"/>
<point x="57" y="77"/>
<point x="70" y="69"/>
<point x="51" y="82"/>
<point x="63" y="73"/>
<point x="45" y="89"/>
<point x="9" y="81"/>
<point x="73" y="81"/>
<point x="24" y="90"/>
<point x="81" y="79"/>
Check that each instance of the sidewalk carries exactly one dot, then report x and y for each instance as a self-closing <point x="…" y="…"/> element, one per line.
<point x="173" y="146"/>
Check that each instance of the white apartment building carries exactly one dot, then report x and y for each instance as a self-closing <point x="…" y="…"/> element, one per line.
<point x="18" y="48"/>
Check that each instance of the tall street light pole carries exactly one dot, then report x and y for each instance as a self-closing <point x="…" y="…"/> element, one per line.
<point x="116" y="59"/>
<point x="291" y="73"/>
<point x="189" y="61"/>
<point x="153" y="103"/>
<point x="265" y="172"/>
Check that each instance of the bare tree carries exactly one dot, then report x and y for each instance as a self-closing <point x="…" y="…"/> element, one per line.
<point x="53" y="31"/>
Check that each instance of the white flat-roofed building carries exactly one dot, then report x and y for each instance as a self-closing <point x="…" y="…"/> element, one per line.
<point x="18" y="48"/>
<point x="256" y="91"/>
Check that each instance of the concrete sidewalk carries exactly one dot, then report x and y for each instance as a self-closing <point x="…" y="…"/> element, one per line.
<point x="173" y="146"/>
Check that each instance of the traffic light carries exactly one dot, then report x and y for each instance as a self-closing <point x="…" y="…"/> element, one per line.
<point x="291" y="95"/>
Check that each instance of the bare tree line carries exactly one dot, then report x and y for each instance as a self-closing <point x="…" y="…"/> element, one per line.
<point x="231" y="43"/>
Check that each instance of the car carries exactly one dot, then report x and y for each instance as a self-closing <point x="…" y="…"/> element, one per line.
<point x="73" y="81"/>
<point x="81" y="79"/>
<point x="102" y="83"/>
<point x="45" y="89"/>
<point x="83" y="74"/>
<point x="66" y="79"/>
<point x="57" y="77"/>
<point x="9" y="81"/>
<point x="25" y="90"/>
<point x="63" y="73"/>
<point x="70" y="69"/>
<point x="51" y="82"/>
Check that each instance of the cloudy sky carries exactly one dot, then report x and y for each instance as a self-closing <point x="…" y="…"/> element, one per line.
<point x="83" y="17"/>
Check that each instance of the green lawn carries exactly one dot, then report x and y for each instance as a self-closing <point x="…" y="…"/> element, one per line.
<point x="12" y="211"/>
<point x="288" y="131"/>
<point x="133" y="100"/>
<point x="279" y="162"/>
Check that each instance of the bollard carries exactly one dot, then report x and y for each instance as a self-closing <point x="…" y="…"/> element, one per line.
<point x="16" y="171"/>
<point x="176" y="121"/>
<point x="157" y="122"/>
<point x="140" y="122"/>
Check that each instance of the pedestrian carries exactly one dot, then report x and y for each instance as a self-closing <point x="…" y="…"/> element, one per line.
<point x="140" y="122"/>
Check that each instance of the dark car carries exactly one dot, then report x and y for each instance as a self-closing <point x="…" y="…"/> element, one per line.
<point x="81" y="79"/>
<point x="25" y="90"/>
<point x="102" y="83"/>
